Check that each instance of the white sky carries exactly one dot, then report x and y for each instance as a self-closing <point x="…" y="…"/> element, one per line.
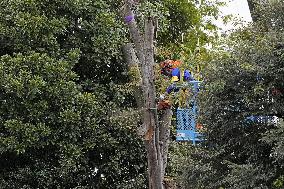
<point x="239" y="9"/>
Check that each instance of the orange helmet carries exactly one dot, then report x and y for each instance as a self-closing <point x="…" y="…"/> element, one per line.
<point x="176" y="64"/>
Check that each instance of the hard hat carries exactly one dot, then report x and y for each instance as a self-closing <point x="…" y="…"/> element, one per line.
<point x="176" y="64"/>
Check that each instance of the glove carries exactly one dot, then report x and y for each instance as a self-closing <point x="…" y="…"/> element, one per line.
<point x="162" y="97"/>
<point x="164" y="104"/>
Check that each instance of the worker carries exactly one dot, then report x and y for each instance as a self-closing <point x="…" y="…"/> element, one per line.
<point x="175" y="77"/>
<point x="187" y="76"/>
<point x="167" y="67"/>
<point x="171" y="69"/>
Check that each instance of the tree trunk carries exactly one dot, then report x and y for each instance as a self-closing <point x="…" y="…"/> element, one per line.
<point x="165" y="124"/>
<point x="156" y="133"/>
<point x="252" y="8"/>
<point x="166" y="115"/>
<point x="133" y="66"/>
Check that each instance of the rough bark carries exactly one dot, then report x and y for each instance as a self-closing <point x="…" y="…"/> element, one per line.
<point x="252" y="7"/>
<point x="133" y="65"/>
<point x="155" y="164"/>
<point x="166" y="115"/>
<point x="129" y="55"/>
<point x="165" y="135"/>
<point x="156" y="135"/>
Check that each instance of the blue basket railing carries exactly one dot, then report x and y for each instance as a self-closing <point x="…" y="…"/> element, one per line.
<point x="187" y="118"/>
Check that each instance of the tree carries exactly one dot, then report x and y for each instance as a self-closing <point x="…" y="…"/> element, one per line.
<point x="66" y="152"/>
<point x="252" y="8"/>
<point x="43" y="110"/>
<point x="243" y="80"/>
<point x="156" y="133"/>
<point x="105" y="153"/>
<point x="144" y="46"/>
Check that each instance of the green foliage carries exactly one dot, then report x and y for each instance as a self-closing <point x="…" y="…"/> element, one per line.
<point x="278" y="183"/>
<point x="53" y="133"/>
<point x="275" y="138"/>
<point x="178" y="153"/>
<point x="199" y="174"/>
<point x="43" y="110"/>
<point x="59" y="26"/>
<point x="268" y="15"/>
<point x="188" y="26"/>
<point x="241" y="81"/>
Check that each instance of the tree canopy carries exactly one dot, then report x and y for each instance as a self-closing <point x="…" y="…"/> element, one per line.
<point x="57" y="61"/>
<point x="69" y="112"/>
<point x="245" y="79"/>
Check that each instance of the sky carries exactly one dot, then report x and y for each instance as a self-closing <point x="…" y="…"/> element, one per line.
<point x="238" y="8"/>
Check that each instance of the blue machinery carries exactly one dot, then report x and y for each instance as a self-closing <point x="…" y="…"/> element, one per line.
<point x="187" y="118"/>
<point x="262" y="119"/>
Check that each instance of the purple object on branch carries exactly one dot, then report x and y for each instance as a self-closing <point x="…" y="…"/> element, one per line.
<point x="129" y="18"/>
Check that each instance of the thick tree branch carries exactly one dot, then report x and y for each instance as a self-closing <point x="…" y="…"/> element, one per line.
<point x="165" y="124"/>
<point x="252" y="7"/>
<point x="156" y="148"/>
<point x="152" y="135"/>
<point x="133" y="29"/>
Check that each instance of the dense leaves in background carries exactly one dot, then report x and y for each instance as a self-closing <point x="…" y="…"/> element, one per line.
<point x="187" y="26"/>
<point x="186" y="30"/>
<point x="244" y="79"/>
<point x="47" y="125"/>
<point x="55" y="27"/>
<point x="53" y="133"/>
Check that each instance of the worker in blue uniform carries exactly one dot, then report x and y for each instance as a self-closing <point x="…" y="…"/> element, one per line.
<point x="175" y="78"/>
